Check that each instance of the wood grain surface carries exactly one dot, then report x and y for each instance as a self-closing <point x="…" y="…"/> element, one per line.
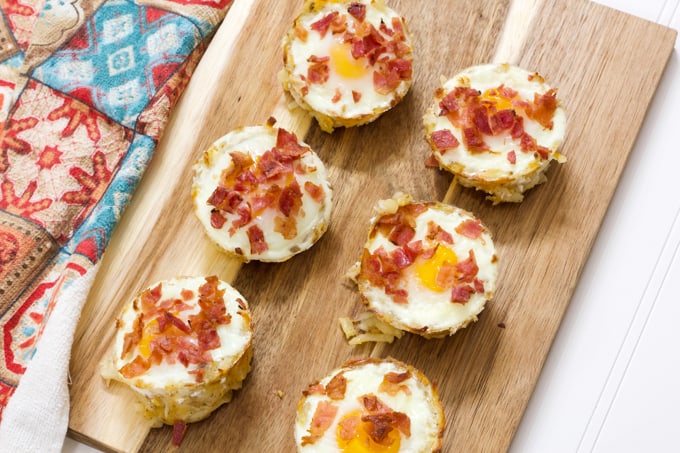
<point x="606" y="66"/>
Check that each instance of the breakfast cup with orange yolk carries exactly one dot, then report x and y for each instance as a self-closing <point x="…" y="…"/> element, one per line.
<point x="427" y="268"/>
<point x="497" y="128"/>
<point x="347" y="62"/>
<point x="370" y="406"/>
<point x="183" y="345"/>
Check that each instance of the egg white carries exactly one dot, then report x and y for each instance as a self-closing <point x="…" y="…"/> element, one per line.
<point x="428" y="312"/>
<point x="422" y="406"/>
<point x="319" y="97"/>
<point x="312" y="221"/>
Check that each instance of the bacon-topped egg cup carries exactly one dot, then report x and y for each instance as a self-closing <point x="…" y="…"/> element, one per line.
<point x="496" y="127"/>
<point x="347" y="62"/>
<point x="427" y="268"/>
<point x="370" y="405"/>
<point x="262" y="194"/>
<point x="183" y="345"/>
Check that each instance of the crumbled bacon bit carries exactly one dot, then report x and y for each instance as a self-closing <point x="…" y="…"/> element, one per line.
<point x="290" y="200"/>
<point x="136" y="367"/>
<point x="382" y="419"/>
<point x="436" y="233"/>
<point x="448" y="104"/>
<point x="217" y="219"/>
<point x="314" y="389"/>
<point x="512" y="157"/>
<point x="357" y="10"/>
<point x="337" y="96"/>
<point x="517" y="129"/>
<point x="356" y="96"/>
<point x="288" y="145"/>
<point x="388" y="77"/>
<point x="478" y="285"/>
<point x="502" y="120"/>
<point x="321" y="420"/>
<point x="543" y="152"/>
<point x="348" y="427"/>
<point x="431" y="161"/>
<point x="472" y="138"/>
<point x="527" y="143"/>
<point x="179" y="428"/>
<point x="402" y="234"/>
<point x="401" y="258"/>
<point x="444" y="140"/>
<point x="322" y="25"/>
<point x="470" y="228"/>
<point x="467" y="269"/>
<point x="446" y="276"/>
<point x="257" y="242"/>
<point x="286" y="226"/>
<point x="316" y="192"/>
<point x="392" y="383"/>
<point x="481" y="119"/>
<point x="318" y="72"/>
<point x="399" y="295"/>
<point x="460" y="294"/>
<point x="336" y="387"/>
<point x="175" y="321"/>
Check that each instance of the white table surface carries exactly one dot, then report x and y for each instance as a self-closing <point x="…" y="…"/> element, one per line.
<point x="611" y="382"/>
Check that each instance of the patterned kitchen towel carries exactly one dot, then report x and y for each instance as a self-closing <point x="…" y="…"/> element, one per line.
<point x="86" y="88"/>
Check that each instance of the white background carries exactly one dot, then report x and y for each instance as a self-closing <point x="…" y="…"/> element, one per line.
<point x="611" y="382"/>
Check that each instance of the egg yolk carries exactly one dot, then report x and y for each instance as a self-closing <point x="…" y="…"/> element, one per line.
<point x="352" y="437"/>
<point x="147" y="335"/>
<point x="428" y="270"/>
<point x="345" y="65"/>
<point x="494" y="96"/>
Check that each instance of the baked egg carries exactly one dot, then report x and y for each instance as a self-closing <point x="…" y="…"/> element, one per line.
<point x="347" y="62"/>
<point x="427" y="267"/>
<point x="183" y="345"/>
<point x="261" y="194"/>
<point x="370" y="406"/>
<point x="496" y="127"/>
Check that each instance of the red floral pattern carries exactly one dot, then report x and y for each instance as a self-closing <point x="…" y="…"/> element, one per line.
<point x="64" y="165"/>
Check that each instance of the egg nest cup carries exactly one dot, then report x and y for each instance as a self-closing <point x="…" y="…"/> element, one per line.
<point x="496" y="128"/>
<point x="347" y="62"/>
<point x="193" y="403"/>
<point x="370" y="405"/>
<point x="427" y="267"/>
<point x="261" y="194"/>
<point x="183" y="358"/>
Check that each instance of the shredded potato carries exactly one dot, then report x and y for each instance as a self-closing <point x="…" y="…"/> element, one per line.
<point x="368" y="328"/>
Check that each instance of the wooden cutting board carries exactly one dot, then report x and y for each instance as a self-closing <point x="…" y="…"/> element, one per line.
<point x="606" y="66"/>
